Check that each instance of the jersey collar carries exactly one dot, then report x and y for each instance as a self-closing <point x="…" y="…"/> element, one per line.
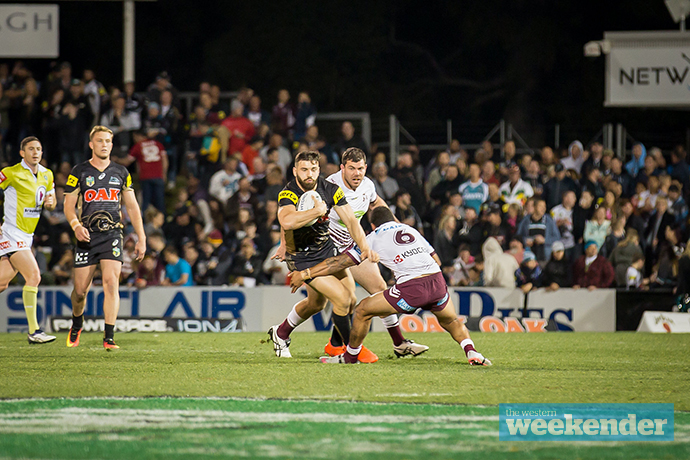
<point x="26" y="166"/>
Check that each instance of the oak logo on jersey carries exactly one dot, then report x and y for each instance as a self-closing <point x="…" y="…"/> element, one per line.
<point x="90" y="181"/>
<point x="102" y="194"/>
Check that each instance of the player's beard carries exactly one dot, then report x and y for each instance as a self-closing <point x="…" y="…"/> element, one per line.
<point x="305" y="186"/>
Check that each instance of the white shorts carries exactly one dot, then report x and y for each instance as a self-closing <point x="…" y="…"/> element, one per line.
<point x="13" y="240"/>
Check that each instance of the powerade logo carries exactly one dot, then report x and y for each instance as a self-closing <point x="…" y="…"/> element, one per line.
<point x="585" y="422"/>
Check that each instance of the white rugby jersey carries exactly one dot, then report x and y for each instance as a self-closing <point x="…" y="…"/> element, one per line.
<point x="359" y="200"/>
<point x="403" y="250"/>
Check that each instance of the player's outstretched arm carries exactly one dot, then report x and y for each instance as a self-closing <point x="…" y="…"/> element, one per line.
<point x="329" y="266"/>
<point x="130" y="200"/>
<point x="348" y="217"/>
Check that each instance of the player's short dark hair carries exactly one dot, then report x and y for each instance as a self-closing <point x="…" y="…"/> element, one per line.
<point x="308" y="155"/>
<point x="354" y="155"/>
<point x="26" y="140"/>
<point x="380" y="215"/>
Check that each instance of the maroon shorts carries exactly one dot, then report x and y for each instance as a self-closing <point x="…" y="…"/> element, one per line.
<point x="428" y="293"/>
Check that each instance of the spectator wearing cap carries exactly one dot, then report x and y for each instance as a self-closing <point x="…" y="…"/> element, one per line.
<point x="178" y="272"/>
<point x="474" y="192"/>
<point x="122" y="123"/>
<point x="558" y="270"/>
<point x="539" y="231"/>
<point x="239" y="129"/>
<point x="162" y="83"/>
<point x="528" y="275"/>
<point x="575" y="158"/>
<point x="592" y="270"/>
<point x="152" y="163"/>
<point x="181" y="228"/>
<point x="494" y="226"/>
<point x="515" y="190"/>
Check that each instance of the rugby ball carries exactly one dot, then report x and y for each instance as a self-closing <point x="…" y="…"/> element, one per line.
<point x="307" y="201"/>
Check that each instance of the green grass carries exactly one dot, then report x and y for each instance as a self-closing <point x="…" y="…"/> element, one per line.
<point x="528" y="368"/>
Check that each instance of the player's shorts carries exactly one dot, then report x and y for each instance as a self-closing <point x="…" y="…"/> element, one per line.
<point x="14" y="240"/>
<point x="428" y="293"/>
<point x="307" y="259"/>
<point x="352" y="251"/>
<point x="103" y="246"/>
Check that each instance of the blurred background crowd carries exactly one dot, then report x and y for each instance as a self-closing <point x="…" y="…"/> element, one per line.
<point x="208" y="185"/>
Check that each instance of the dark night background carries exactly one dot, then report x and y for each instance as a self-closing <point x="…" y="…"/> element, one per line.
<point x="472" y="62"/>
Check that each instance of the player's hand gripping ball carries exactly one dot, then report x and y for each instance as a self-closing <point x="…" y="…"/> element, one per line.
<point x="308" y="201"/>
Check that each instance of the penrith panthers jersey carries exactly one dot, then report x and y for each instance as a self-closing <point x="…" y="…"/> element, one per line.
<point x="100" y="194"/>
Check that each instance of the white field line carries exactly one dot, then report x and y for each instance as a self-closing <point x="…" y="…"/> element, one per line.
<point x="74" y="420"/>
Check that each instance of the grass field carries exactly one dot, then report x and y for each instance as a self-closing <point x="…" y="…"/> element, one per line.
<point x="193" y="385"/>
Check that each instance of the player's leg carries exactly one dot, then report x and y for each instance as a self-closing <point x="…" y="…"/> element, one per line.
<point x="375" y="305"/>
<point x="7" y="272"/>
<point x="368" y="275"/>
<point x="82" y="282"/>
<point x="450" y="321"/>
<point x="302" y="311"/>
<point x="342" y="319"/>
<point x="111" y="298"/>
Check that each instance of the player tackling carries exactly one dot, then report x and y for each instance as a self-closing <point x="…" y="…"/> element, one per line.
<point x="28" y="188"/>
<point x="418" y="284"/>
<point x="98" y="186"/>
<point x="361" y="196"/>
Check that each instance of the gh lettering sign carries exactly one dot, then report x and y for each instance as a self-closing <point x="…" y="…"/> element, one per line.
<point x="29" y="31"/>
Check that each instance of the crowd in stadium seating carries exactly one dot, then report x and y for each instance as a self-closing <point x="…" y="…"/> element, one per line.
<point x="580" y="217"/>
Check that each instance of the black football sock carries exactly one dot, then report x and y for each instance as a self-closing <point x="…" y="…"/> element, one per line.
<point x="77" y="322"/>
<point x="109" y="331"/>
<point x="341" y="328"/>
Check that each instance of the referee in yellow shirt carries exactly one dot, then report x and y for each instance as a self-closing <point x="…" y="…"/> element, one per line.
<point x="28" y="188"/>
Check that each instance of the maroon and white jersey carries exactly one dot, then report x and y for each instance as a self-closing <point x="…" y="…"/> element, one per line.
<point x="359" y="200"/>
<point x="403" y="250"/>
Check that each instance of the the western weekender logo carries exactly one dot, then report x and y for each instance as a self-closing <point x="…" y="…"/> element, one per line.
<point x="585" y="422"/>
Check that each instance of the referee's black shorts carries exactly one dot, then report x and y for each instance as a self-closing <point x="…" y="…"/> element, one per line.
<point x="103" y="245"/>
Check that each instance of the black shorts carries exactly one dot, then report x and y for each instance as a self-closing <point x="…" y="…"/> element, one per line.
<point x="307" y="259"/>
<point x="103" y="245"/>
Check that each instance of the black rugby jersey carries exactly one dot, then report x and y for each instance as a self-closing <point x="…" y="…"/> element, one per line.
<point x="100" y="194"/>
<point x="314" y="237"/>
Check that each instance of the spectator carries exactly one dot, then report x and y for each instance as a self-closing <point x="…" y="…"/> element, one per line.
<point x="665" y="270"/>
<point x="558" y="270"/>
<point x="244" y="198"/>
<point x="444" y="241"/>
<point x="407" y="179"/>
<point x="592" y="270"/>
<point x="181" y="229"/>
<point x="284" y="158"/>
<point x="595" y="159"/>
<point x="633" y="276"/>
<point x="276" y="269"/>
<point x="528" y="275"/>
<point x="348" y="139"/>
<point x="489" y="174"/>
<point x="404" y="211"/>
<point x="225" y="182"/>
<point x="250" y="153"/>
<point x="592" y="183"/>
<point x="616" y="235"/>
<point x="133" y="102"/>
<point x="515" y="190"/>
<point x="683" y="289"/>
<point x="239" y="129"/>
<point x="655" y="232"/>
<point x="459" y="273"/>
<point x="305" y="117"/>
<point x="563" y="216"/>
<point x="598" y="227"/>
<point x="449" y="185"/>
<point x="534" y="177"/>
<point x="474" y="192"/>
<point x="620" y="175"/>
<point x="155" y="220"/>
<point x="386" y="186"/>
<point x="149" y="272"/>
<point x="678" y="169"/>
<point x="470" y="231"/>
<point x="246" y="267"/>
<point x="539" y="231"/>
<point x="582" y="213"/>
<point x="494" y="227"/>
<point x="177" y="270"/>
<point x="62" y="270"/>
<point x="122" y="123"/>
<point x="575" y="158"/>
<point x="152" y="163"/>
<point x="283" y="115"/>
<point x="636" y="165"/>
<point x="508" y="159"/>
<point x="162" y="83"/>
<point x="623" y="255"/>
<point x="679" y="208"/>
<point x="437" y="172"/>
<point x="255" y="114"/>
<point x="499" y="268"/>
